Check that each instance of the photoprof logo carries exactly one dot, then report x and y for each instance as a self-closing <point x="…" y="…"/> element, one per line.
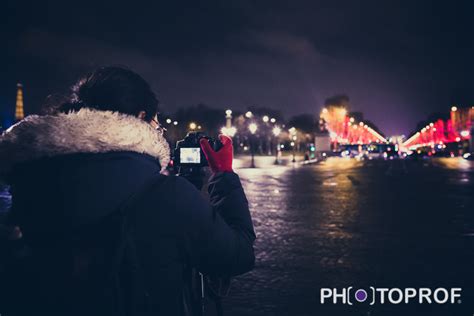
<point x="374" y="295"/>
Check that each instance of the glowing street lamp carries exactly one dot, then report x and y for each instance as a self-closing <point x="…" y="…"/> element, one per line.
<point x="273" y="120"/>
<point x="192" y="126"/>
<point x="253" y="129"/>
<point x="265" y="118"/>
<point x="276" y="132"/>
<point x="229" y="131"/>
<point x="168" y="120"/>
<point x="175" y="123"/>
<point x="248" y="114"/>
<point x="454" y="108"/>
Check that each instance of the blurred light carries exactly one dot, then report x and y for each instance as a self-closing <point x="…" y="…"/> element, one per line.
<point x="192" y="125"/>
<point x="458" y="139"/>
<point x="466" y="155"/>
<point x="273" y="120"/>
<point x="294" y="137"/>
<point x="292" y="130"/>
<point x="454" y="108"/>
<point x="324" y="154"/>
<point x="282" y="146"/>
<point x="276" y="131"/>
<point x="431" y="124"/>
<point x="292" y="144"/>
<point x="175" y="123"/>
<point x="361" y="124"/>
<point x="351" y="120"/>
<point x="253" y="128"/>
<point x="199" y="126"/>
<point x="324" y="110"/>
<point x="246" y="148"/>
<point x="248" y="114"/>
<point x="229" y="131"/>
<point x="464" y="133"/>
<point x="228" y="112"/>
<point x="265" y="118"/>
<point x="168" y="120"/>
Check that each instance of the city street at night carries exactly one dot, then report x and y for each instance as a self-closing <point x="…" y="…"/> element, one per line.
<point x="345" y="223"/>
<point x="237" y="158"/>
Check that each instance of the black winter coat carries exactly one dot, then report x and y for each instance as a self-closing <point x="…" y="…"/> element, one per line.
<point x="175" y="226"/>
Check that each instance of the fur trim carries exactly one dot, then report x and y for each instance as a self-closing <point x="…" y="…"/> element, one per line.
<point x="84" y="131"/>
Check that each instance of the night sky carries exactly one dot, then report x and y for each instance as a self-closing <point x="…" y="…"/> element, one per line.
<point x="398" y="61"/>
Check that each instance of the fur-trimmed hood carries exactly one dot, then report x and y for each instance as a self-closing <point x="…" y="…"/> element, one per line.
<point x="84" y="131"/>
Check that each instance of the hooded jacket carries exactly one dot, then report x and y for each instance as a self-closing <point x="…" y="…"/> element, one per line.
<point x="69" y="171"/>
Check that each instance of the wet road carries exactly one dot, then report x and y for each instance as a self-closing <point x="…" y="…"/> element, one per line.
<point x="354" y="223"/>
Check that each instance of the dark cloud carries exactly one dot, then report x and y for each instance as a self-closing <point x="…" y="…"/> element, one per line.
<point x="397" y="63"/>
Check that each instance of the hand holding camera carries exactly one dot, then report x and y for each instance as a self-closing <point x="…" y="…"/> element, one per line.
<point x="197" y="150"/>
<point x="221" y="160"/>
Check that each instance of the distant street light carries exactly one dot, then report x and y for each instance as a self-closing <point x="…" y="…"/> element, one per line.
<point x="292" y="131"/>
<point x="248" y="114"/>
<point x="265" y="118"/>
<point x="192" y="126"/>
<point x="276" y="132"/>
<point x="229" y="131"/>
<point x="175" y="123"/>
<point x="168" y="120"/>
<point x="253" y="129"/>
<point x="273" y="120"/>
<point x="454" y="109"/>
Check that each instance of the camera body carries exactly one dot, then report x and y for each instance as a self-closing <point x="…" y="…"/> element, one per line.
<point x="188" y="152"/>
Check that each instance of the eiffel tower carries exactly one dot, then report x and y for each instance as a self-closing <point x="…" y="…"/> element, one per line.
<point x="19" y="112"/>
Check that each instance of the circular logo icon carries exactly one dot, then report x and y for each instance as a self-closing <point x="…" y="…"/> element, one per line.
<point x="360" y="295"/>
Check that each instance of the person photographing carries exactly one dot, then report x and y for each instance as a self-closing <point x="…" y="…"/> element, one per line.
<point x="103" y="231"/>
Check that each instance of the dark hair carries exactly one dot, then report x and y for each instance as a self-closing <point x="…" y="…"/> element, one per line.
<point x="112" y="89"/>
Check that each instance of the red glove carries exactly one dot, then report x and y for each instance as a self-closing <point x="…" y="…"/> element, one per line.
<point x="219" y="161"/>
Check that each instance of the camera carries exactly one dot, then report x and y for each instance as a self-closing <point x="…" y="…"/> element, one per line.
<point x="188" y="152"/>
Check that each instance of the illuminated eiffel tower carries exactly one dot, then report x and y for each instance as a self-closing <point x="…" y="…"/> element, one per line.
<point x="19" y="112"/>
